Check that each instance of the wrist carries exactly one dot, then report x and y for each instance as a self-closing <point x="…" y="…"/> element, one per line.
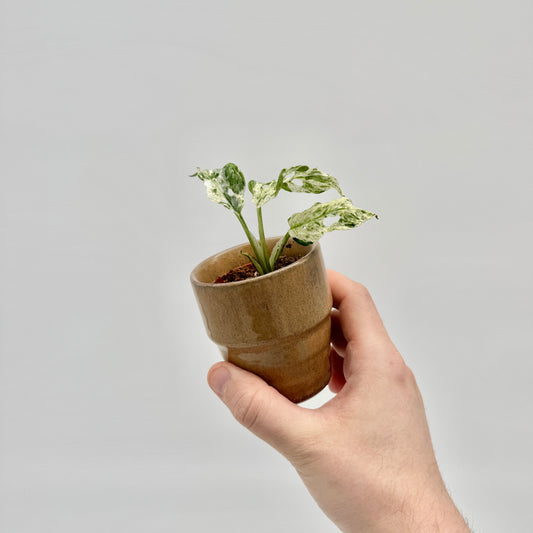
<point x="435" y="513"/>
<point x="421" y="509"/>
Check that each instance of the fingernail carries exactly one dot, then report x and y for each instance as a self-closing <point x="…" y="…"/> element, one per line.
<point x="217" y="379"/>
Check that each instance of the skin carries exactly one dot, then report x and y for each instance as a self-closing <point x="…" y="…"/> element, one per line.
<point x="365" y="456"/>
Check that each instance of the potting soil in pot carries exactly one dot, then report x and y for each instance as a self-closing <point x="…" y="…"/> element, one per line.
<point x="246" y="271"/>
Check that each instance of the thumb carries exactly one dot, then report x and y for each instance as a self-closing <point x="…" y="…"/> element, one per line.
<point x="261" y="408"/>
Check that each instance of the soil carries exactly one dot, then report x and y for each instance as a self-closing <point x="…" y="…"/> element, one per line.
<point x="248" y="270"/>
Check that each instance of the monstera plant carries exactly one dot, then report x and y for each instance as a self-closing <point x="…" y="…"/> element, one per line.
<point x="227" y="185"/>
<point x="275" y="323"/>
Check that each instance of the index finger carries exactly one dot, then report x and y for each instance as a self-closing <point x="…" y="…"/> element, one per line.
<point x="359" y="317"/>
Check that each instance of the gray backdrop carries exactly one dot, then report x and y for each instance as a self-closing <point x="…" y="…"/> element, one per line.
<point x="423" y="110"/>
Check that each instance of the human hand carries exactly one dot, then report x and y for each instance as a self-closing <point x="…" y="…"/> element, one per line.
<point x="366" y="455"/>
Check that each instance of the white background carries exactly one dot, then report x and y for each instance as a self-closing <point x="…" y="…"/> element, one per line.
<point x="423" y="110"/>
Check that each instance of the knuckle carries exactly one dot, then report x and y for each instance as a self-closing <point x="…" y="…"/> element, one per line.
<point x="403" y="375"/>
<point x="360" y="289"/>
<point x="246" y="409"/>
<point x="398" y="368"/>
<point x="361" y="294"/>
<point x="409" y="375"/>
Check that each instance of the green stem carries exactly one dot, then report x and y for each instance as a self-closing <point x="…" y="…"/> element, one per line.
<point x="256" y="247"/>
<point x="276" y="251"/>
<point x="262" y="239"/>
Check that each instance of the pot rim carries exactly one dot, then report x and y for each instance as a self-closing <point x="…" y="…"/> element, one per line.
<point x="314" y="248"/>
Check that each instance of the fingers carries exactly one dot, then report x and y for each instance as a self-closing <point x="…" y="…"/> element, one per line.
<point x="260" y="408"/>
<point x="358" y="316"/>
<point x="358" y="333"/>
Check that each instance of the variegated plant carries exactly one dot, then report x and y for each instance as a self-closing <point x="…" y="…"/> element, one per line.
<point x="227" y="186"/>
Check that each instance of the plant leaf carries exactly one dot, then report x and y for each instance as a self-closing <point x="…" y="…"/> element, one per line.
<point x="308" y="226"/>
<point x="262" y="192"/>
<point x="255" y="262"/>
<point x="299" y="178"/>
<point x="224" y="186"/>
<point x="276" y="251"/>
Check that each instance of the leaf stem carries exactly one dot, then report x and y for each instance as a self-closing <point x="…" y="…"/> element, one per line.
<point x="262" y="238"/>
<point x="256" y="247"/>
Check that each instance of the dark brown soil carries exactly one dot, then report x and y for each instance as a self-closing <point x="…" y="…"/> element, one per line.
<point x="248" y="270"/>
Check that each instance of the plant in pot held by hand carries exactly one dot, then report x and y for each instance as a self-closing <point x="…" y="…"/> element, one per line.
<point x="275" y="319"/>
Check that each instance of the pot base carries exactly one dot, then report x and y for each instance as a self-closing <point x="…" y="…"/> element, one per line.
<point x="297" y="366"/>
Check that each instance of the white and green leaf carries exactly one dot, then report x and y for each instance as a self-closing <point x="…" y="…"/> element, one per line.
<point x="276" y="251"/>
<point x="262" y="192"/>
<point x="224" y="186"/>
<point x="310" y="225"/>
<point x="299" y="178"/>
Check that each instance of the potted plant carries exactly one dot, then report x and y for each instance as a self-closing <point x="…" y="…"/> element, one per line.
<point x="267" y="303"/>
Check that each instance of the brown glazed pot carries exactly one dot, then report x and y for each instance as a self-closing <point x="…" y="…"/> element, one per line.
<point x="277" y="325"/>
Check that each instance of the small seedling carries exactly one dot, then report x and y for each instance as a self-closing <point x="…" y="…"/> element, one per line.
<point x="227" y="186"/>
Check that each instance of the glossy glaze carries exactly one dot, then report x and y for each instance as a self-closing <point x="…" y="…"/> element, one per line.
<point x="277" y="325"/>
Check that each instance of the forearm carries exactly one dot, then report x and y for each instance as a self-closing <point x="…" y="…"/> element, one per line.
<point x="364" y="492"/>
<point x="436" y="517"/>
<point x="433" y="513"/>
<point x="440" y="516"/>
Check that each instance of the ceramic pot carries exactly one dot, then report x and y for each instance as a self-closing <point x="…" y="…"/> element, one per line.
<point x="276" y="325"/>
